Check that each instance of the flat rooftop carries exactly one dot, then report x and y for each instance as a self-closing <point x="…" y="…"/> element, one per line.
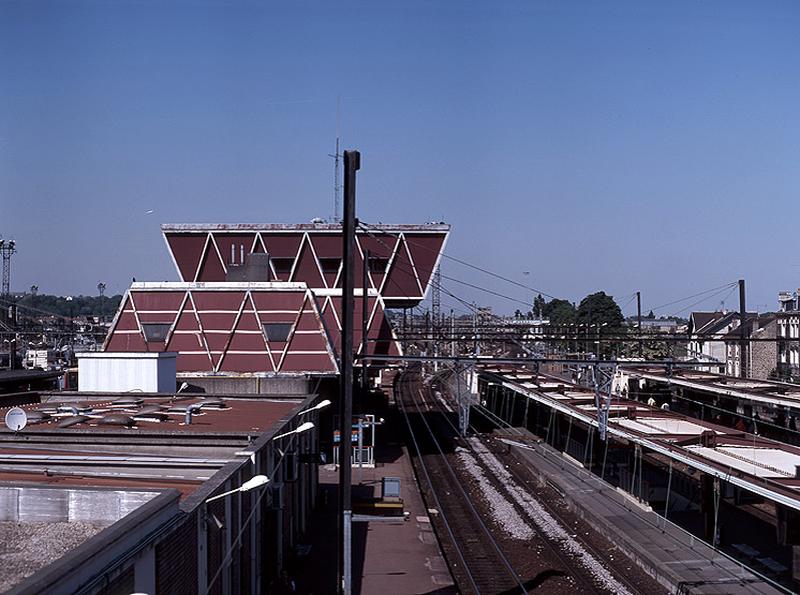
<point x="135" y="440"/>
<point x="337" y="227"/>
<point x="766" y="467"/>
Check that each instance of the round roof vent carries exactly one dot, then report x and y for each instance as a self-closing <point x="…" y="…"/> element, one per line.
<point x="116" y="419"/>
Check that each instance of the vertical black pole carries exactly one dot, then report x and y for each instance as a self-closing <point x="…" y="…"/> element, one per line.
<point x="743" y="331"/>
<point x="364" y="322"/>
<point x="352" y="162"/>
<point x="639" y="317"/>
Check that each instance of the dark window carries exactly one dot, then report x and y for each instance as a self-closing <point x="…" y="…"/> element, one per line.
<point x="277" y="331"/>
<point x="330" y="265"/>
<point x="378" y="264"/>
<point x="283" y="266"/>
<point x="156" y="332"/>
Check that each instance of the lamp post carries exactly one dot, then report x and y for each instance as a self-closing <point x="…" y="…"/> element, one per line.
<point x="255" y="482"/>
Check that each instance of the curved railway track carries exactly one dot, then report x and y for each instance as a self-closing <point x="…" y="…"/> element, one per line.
<point x="470" y="542"/>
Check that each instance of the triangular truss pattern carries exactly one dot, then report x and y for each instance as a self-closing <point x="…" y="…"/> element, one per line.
<point x="222" y="331"/>
<point x="403" y="262"/>
<point x="402" y="277"/>
<point x="187" y="251"/>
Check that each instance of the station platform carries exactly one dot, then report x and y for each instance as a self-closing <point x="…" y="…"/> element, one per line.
<point x="398" y="555"/>
<point x="676" y="559"/>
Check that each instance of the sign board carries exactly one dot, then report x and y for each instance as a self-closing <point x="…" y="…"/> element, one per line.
<point x="16" y="419"/>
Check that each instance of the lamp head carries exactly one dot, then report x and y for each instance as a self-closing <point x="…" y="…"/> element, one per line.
<point x="254" y="482"/>
<point x="304" y="427"/>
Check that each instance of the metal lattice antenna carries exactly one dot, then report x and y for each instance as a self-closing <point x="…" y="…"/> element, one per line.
<point x="7" y="248"/>
<point x="436" y="299"/>
<point x="337" y="187"/>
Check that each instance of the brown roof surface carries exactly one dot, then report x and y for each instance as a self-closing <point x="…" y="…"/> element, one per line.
<point x="240" y="416"/>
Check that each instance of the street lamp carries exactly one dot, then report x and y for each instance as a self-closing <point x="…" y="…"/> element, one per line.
<point x="304" y="427"/>
<point x="254" y="482"/>
<point x="317" y="407"/>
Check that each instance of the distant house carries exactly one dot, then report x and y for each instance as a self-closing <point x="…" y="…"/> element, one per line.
<point x="788" y="322"/>
<point x="706" y="332"/>
<point x="761" y="356"/>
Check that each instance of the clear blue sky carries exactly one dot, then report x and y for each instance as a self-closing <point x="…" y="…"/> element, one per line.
<point x="598" y="145"/>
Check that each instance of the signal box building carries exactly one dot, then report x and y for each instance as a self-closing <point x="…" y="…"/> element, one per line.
<point x="262" y="301"/>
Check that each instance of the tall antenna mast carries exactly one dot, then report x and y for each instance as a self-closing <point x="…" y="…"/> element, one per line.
<point x="337" y="187"/>
<point x="7" y="249"/>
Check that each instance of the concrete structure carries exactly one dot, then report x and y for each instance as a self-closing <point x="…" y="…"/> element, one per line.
<point x="402" y="258"/>
<point x="132" y="465"/>
<point x="735" y="490"/>
<point x="259" y="302"/>
<point x="126" y="372"/>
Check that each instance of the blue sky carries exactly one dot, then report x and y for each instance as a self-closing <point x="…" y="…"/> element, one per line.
<point x="614" y="146"/>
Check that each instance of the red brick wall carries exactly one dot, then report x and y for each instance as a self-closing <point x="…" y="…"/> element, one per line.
<point x="176" y="559"/>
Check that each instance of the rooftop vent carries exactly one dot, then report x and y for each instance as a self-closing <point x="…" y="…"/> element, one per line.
<point x="155" y="416"/>
<point x="116" y="419"/>
<point x="71" y="421"/>
<point x="73" y="408"/>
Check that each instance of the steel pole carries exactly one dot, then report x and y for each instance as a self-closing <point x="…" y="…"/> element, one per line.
<point x="352" y="163"/>
<point x="743" y="331"/>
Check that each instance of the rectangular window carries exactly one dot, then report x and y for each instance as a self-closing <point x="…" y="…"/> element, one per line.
<point x="330" y="265"/>
<point x="283" y="266"/>
<point x="378" y="264"/>
<point x="277" y="331"/>
<point x="156" y="332"/>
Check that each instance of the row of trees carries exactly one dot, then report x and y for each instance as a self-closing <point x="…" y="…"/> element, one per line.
<point x="595" y="309"/>
<point x="80" y="305"/>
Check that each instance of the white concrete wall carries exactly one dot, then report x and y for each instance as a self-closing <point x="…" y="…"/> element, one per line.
<point x="124" y="372"/>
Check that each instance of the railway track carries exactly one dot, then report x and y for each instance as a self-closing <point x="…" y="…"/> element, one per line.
<point x="551" y="561"/>
<point x="477" y="563"/>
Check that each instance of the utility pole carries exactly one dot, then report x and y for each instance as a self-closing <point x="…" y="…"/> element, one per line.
<point x="436" y="307"/>
<point x="743" y="331"/>
<point x="101" y="288"/>
<point x="639" y="318"/>
<point x="352" y="163"/>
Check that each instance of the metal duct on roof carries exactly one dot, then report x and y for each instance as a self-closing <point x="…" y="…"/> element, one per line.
<point x="71" y="421"/>
<point x="37" y="417"/>
<point x="212" y="403"/>
<point x="128" y="401"/>
<point x="150" y="416"/>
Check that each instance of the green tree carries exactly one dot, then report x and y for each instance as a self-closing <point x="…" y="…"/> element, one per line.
<point x="601" y="310"/>
<point x="560" y="312"/>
